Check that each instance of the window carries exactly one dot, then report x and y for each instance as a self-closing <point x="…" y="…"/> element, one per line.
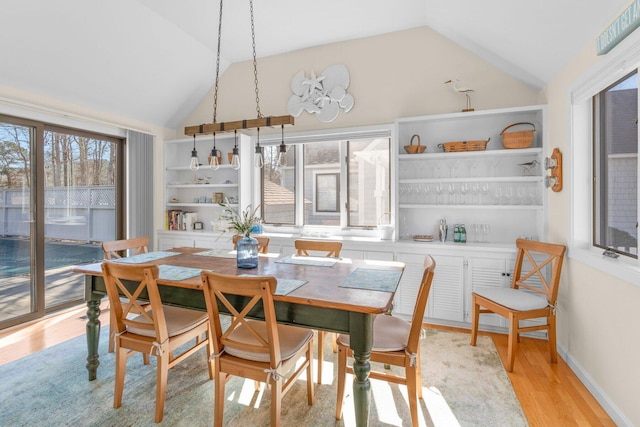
<point x="602" y="165"/>
<point x="327" y="189"/>
<point x="344" y="181"/>
<point x="321" y="177"/>
<point x="278" y="187"/>
<point x="615" y="189"/>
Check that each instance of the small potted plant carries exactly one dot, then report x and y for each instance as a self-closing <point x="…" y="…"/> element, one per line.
<point x="242" y="223"/>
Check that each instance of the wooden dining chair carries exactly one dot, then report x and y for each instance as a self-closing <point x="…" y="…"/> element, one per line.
<point x="263" y="243"/>
<point x="329" y="249"/>
<point x="155" y="329"/>
<point x="119" y="248"/>
<point x="533" y="294"/>
<point x="259" y="350"/>
<point x="395" y="342"/>
<point x="116" y="249"/>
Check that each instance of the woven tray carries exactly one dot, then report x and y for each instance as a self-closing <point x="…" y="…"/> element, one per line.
<point x="450" y="147"/>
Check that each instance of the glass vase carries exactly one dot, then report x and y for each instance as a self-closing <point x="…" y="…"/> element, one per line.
<point x="247" y="252"/>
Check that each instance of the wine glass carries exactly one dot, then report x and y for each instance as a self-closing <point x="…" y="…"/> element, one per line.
<point x="508" y="194"/>
<point x="409" y="195"/>
<point x="485" y="192"/>
<point x="452" y="192"/>
<point x="486" y="228"/>
<point x="476" y="233"/>
<point x="520" y="196"/>
<point x="438" y="192"/>
<point x="425" y="191"/>
<point x="475" y="190"/>
<point x="464" y="189"/>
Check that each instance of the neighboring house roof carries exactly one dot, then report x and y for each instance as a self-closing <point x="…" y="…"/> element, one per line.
<point x="275" y="194"/>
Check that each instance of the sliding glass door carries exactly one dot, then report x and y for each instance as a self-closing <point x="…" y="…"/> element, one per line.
<point x="79" y="207"/>
<point x="60" y="197"/>
<point x="18" y="295"/>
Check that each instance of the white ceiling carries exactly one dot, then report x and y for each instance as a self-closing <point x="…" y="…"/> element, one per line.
<point x="154" y="60"/>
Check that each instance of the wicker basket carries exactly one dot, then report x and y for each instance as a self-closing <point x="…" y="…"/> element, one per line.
<point x="415" y="149"/>
<point x="518" y="139"/>
<point x="450" y="147"/>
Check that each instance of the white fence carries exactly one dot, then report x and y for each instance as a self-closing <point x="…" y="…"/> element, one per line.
<point x="71" y="213"/>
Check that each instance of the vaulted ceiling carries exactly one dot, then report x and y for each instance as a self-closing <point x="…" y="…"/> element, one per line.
<point x="154" y="60"/>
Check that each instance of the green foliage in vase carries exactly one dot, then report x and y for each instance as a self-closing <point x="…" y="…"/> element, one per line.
<point x="240" y="221"/>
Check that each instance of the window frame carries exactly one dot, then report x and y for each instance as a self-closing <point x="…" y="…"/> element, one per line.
<point x="600" y="187"/>
<point x="336" y="181"/>
<point x="617" y="64"/>
<point x="343" y="135"/>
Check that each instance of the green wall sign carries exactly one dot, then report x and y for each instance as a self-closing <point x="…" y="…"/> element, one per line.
<point x="624" y="25"/>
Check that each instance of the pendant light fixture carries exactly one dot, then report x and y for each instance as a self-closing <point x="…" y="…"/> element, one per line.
<point x="258" y="158"/>
<point x="194" y="165"/>
<point x="235" y="159"/>
<point x="282" y="154"/>
<point x="214" y="158"/>
<point x="260" y="121"/>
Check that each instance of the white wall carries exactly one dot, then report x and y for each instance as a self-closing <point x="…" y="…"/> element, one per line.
<point x="19" y="103"/>
<point x="395" y="75"/>
<point x="599" y="314"/>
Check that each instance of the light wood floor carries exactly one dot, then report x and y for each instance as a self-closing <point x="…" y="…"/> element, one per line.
<point x="550" y="395"/>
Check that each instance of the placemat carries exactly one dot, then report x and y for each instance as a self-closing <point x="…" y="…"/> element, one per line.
<point x="142" y="258"/>
<point x="218" y="253"/>
<point x="373" y="280"/>
<point x="284" y="286"/>
<point x="309" y="260"/>
<point x="177" y="273"/>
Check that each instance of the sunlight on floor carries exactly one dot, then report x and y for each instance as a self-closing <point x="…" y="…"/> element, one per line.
<point x="386" y="398"/>
<point x="433" y="411"/>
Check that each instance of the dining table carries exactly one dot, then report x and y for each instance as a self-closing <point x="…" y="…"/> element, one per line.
<point x="339" y="295"/>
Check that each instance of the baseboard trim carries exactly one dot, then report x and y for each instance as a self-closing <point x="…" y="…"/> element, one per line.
<point x="603" y="399"/>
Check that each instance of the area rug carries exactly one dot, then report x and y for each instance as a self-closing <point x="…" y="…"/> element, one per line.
<point x="462" y="385"/>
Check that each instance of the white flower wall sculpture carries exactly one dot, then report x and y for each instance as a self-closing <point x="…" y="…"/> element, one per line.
<point x="325" y="95"/>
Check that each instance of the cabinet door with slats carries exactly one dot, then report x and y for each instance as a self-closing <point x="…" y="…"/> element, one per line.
<point x="488" y="273"/>
<point x="407" y="292"/>
<point x="446" y="300"/>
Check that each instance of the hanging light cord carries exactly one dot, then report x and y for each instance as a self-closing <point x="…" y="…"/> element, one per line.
<point x="215" y="90"/>
<point x="255" y="64"/>
<point x="255" y="61"/>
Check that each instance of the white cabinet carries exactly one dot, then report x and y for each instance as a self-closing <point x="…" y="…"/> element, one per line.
<point x="486" y="273"/>
<point x="195" y="239"/>
<point x="446" y="298"/>
<point x="502" y="189"/>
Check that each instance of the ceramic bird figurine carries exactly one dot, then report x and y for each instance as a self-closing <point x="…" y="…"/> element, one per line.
<point x="528" y="166"/>
<point x="463" y="90"/>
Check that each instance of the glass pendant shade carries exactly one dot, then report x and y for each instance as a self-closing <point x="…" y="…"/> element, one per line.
<point x="194" y="165"/>
<point x="282" y="155"/>
<point x="214" y="159"/>
<point x="258" y="160"/>
<point x="235" y="160"/>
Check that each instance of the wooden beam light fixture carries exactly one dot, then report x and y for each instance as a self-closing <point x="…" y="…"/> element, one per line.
<point x="234" y="126"/>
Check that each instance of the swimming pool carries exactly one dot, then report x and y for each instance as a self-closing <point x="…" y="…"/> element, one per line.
<point x="15" y="255"/>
